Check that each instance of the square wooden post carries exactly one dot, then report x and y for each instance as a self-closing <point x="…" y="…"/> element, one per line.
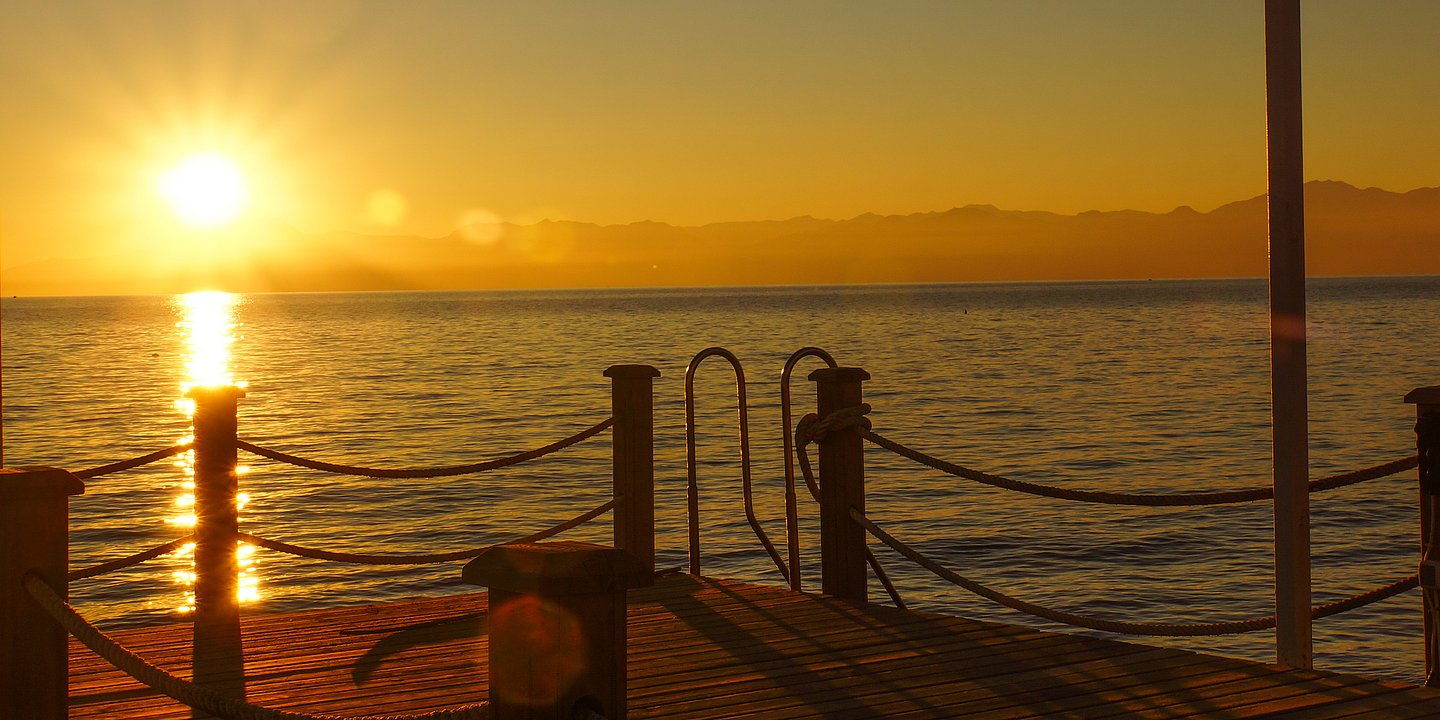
<point x="218" y="661"/>
<point x="842" y="486"/>
<point x="34" y="537"/>
<point x="632" y="404"/>
<point x="1427" y="446"/>
<point x="557" y="628"/>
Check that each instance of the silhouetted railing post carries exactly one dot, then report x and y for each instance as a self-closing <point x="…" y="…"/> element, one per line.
<point x="632" y="403"/>
<point x="557" y="628"/>
<point x="842" y="486"/>
<point x="1427" y="446"/>
<point x="1289" y="435"/>
<point x="218" y="652"/>
<point x="34" y="536"/>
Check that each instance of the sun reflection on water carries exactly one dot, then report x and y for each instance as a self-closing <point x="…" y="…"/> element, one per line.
<point x="207" y="324"/>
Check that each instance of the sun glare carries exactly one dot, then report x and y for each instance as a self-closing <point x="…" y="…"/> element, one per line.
<point x="205" y="190"/>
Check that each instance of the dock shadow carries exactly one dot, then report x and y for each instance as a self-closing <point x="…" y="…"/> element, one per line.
<point x="814" y="671"/>
<point x="398" y="639"/>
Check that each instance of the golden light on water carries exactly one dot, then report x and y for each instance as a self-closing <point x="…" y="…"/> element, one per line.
<point x="207" y="323"/>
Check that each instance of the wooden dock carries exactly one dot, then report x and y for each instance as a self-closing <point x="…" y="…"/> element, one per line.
<point x="705" y="648"/>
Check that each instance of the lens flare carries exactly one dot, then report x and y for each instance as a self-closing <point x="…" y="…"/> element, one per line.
<point x="387" y="207"/>
<point x="531" y="632"/>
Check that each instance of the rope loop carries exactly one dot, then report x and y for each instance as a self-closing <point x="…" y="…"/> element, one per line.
<point x="188" y="693"/>
<point x="813" y="428"/>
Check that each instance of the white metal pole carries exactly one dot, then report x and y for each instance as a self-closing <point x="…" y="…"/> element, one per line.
<point x="1289" y="434"/>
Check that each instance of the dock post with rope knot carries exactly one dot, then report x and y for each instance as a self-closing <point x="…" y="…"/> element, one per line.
<point x="842" y="480"/>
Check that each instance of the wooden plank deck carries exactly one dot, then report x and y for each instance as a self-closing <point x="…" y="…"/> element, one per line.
<point x="704" y="648"/>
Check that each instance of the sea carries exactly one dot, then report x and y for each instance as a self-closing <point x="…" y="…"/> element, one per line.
<point x="1139" y="386"/>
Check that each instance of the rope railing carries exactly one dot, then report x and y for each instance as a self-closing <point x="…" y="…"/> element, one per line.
<point x="434" y="472"/>
<point x="130" y="560"/>
<point x="811" y="428"/>
<point x="419" y="559"/>
<point x="186" y="692"/>
<point x="1222" y="497"/>
<point x="1118" y="626"/>
<point x="132" y="463"/>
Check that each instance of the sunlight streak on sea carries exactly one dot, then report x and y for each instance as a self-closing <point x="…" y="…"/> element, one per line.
<point x="208" y="329"/>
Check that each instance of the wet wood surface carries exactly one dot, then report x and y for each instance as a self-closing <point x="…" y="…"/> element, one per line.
<point x="704" y="648"/>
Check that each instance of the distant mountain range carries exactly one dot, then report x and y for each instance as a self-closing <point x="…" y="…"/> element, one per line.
<point x="1350" y="231"/>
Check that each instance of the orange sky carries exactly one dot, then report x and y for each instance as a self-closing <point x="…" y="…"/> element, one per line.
<point x="405" y="118"/>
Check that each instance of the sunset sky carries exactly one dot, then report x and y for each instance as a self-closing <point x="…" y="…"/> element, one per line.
<point x="414" y="118"/>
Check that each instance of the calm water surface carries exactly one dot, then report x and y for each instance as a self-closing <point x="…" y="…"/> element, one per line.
<point x="1114" y="386"/>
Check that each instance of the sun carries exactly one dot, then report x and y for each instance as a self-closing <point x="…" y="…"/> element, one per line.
<point x="205" y="190"/>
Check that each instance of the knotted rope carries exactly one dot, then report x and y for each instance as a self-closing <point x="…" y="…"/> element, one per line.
<point x="136" y="559"/>
<point x="427" y="559"/>
<point x="187" y="692"/>
<point x="812" y="428"/>
<point x="1117" y="626"/>
<point x="133" y="462"/>
<point x="412" y="473"/>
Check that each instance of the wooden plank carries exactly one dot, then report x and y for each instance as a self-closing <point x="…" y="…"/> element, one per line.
<point x="852" y="651"/>
<point x="1401" y="702"/>
<point x="996" y="692"/>
<point x="703" y="648"/>
<point x="858" y="690"/>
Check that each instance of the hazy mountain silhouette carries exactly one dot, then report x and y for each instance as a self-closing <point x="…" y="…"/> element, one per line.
<point x="1350" y="231"/>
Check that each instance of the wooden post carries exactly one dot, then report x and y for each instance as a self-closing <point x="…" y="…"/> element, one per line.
<point x="633" y="447"/>
<point x="1289" y="434"/>
<point x="842" y="486"/>
<point x="218" y="660"/>
<point x="557" y="628"/>
<point x="1427" y="446"/>
<point x="34" y="536"/>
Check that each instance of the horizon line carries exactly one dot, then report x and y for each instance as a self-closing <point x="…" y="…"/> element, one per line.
<point x="758" y="286"/>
